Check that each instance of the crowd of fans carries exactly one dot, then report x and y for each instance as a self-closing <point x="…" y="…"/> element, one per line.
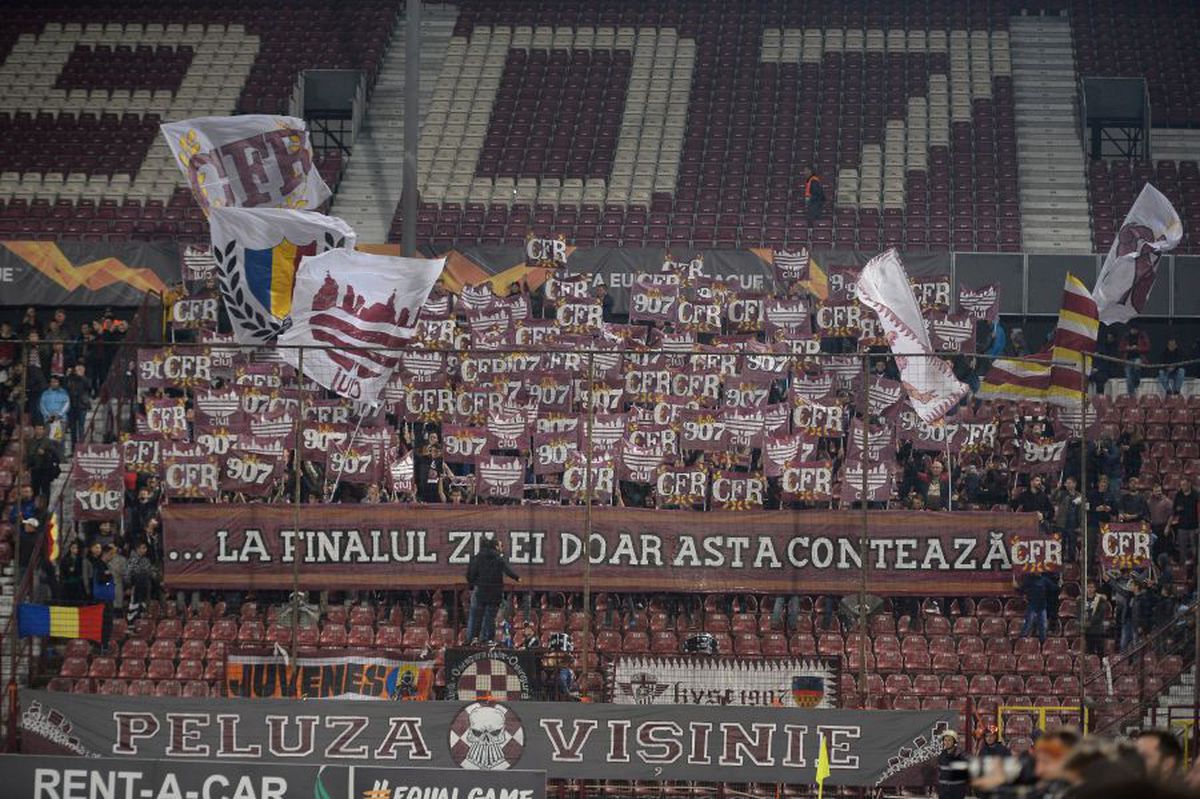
<point x="61" y="374"/>
<point x="1062" y="764"/>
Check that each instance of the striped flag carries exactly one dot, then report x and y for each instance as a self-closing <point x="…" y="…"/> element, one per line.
<point x="1078" y="325"/>
<point x="60" y="621"/>
<point x="1017" y="379"/>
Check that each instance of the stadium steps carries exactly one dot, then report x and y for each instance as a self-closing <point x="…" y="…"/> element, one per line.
<point x="1175" y="144"/>
<point x="1050" y="162"/>
<point x="1178" y="695"/>
<point x="370" y="191"/>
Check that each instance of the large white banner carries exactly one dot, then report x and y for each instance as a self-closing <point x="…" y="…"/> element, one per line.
<point x="704" y="680"/>
<point x="929" y="382"/>
<point x="257" y="252"/>
<point x="360" y="311"/>
<point x="1151" y="228"/>
<point x="255" y="160"/>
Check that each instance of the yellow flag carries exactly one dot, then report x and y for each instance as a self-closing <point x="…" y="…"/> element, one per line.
<point x="822" y="767"/>
<point x="52" y="537"/>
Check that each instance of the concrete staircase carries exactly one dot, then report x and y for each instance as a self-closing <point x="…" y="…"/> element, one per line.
<point x="1050" y="160"/>
<point x="1179" y="693"/>
<point x="1175" y="144"/>
<point x="370" y="191"/>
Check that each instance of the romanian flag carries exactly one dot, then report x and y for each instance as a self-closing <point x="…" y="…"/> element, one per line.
<point x="1074" y="340"/>
<point x="271" y="274"/>
<point x="52" y="549"/>
<point x="60" y="621"/>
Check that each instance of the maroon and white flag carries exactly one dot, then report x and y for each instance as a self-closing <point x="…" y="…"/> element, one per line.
<point x="215" y="439"/>
<point x="221" y="407"/>
<point x="500" y="477"/>
<point x="189" y="472"/>
<point x="698" y="317"/>
<point x="552" y="451"/>
<point x="929" y="381"/>
<point x="745" y="426"/>
<point x="606" y="432"/>
<point x="746" y="311"/>
<point x="1151" y="228"/>
<point x="786" y="316"/>
<point x="745" y="394"/>
<point x="813" y="386"/>
<point x="702" y="429"/>
<point x="1042" y="455"/>
<point x="883" y="397"/>
<point x="806" y="481"/>
<point x="166" y="417"/>
<point x="142" y="452"/>
<point x="400" y="474"/>
<point x="508" y="428"/>
<point x="880" y="482"/>
<point x="981" y="304"/>
<point x="561" y="286"/>
<point x="638" y="464"/>
<point x="737" y="490"/>
<point x="932" y="293"/>
<point x="580" y="316"/>
<point x="789" y="266"/>
<point x="253" y="466"/>
<point x="602" y="476"/>
<point x="96" y="482"/>
<point x="168" y="367"/>
<point x="880" y="442"/>
<point x="653" y="303"/>
<point x="463" y="443"/>
<point x="686" y="486"/>
<point x="345" y="300"/>
<point x="817" y="419"/>
<point x="951" y="332"/>
<point x="779" y="450"/>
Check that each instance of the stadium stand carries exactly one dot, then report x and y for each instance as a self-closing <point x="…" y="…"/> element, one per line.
<point x="722" y="112"/>
<point x="687" y="125"/>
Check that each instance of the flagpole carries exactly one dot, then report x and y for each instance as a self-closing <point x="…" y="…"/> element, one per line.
<point x="337" y="480"/>
<point x="1083" y="539"/>
<point x="297" y="463"/>
<point x="587" y="520"/>
<point x="14" y="640"/>
<point x="949" y="473"/>
<point x="865" y="687"/>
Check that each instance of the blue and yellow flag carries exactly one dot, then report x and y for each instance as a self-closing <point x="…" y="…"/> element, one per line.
<point x="271" y="274"/>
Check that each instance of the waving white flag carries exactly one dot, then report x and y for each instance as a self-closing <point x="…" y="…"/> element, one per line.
<point x="250" y="161"/>
<point x="360" y="311"/>
<point x="928" y="381"/>
<point x="1151" y="228"/>
<point x="257" y="252"/>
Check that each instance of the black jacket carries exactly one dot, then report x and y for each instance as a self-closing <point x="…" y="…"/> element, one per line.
<point x="952" y="778"/>
<point x="486" y="574"/>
